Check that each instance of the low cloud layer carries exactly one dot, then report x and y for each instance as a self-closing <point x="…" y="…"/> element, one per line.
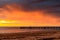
<point x="52" y="7"/>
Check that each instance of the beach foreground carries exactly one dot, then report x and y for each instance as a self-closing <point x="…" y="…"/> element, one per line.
<point x="29" y="34"/>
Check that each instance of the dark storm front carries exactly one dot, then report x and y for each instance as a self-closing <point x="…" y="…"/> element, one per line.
<point x="51" y="7"/>
<point x="32" y="34"/>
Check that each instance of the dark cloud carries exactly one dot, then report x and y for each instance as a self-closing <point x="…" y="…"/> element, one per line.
<point x="51" y="7"/>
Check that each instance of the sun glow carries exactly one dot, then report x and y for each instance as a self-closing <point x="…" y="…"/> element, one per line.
<point x="6" y="21"/>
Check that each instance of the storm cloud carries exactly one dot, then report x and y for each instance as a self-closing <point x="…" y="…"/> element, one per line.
<point x="52" y="7"/>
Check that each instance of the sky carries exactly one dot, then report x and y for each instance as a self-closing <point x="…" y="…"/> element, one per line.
<point x="30" y="12"/>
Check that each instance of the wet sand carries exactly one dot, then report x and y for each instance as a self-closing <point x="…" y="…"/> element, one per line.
<point x="29" y="34"/>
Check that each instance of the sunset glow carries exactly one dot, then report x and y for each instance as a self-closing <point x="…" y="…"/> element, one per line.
<point x="18" y="17"/>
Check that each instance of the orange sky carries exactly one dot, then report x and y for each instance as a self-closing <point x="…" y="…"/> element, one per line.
<point x="17" y="17"/>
